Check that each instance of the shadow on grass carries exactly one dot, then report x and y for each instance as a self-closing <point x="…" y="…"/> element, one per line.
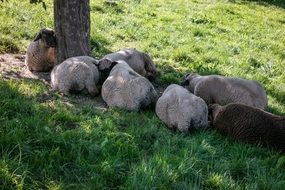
<point x="55" y="143"/>
<point x="90" y="149"/>
<point x="277" y="3"/>
<point x="98" y="46"/>
<point x="41" y="143"/>
<point x="35" y="76"/>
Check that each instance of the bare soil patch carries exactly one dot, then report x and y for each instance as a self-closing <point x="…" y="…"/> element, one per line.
<point x="12" y="66"/>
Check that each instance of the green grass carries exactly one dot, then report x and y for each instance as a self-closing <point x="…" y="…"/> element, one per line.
<point x="58" y="145"/>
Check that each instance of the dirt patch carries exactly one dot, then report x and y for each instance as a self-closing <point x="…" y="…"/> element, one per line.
<point x="12" y="66"/>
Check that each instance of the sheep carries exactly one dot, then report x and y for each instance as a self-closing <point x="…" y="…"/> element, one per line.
<point x="40" y="56"/>
<point x="224" y="90"/>
<point x="76" y="74"/>
<point x="248" y="124"/>
<point x="140" y="62"/>
<point x="179" y="108"/>
<point x="125" y="88"/>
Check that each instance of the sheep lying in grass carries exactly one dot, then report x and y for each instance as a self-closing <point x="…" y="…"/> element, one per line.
<point x="41" y="52"/>
<point x="138" y="61"/>
<point x="124" y="88"/>
<point x="180" y="109"/>
<point x="247" y="124"/>
<point x="224" y="90"/>
<point x="76" y="74"/>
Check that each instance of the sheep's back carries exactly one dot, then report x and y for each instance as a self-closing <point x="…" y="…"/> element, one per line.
<point x="132" y="57"/>
<point x="126" y="89"/>
<point x="179" y="108"/>
<point x="225" y="90"/>
<point x="255" y="128"/>
<point x="74" y="74"/>
<point x="39" y="58"/>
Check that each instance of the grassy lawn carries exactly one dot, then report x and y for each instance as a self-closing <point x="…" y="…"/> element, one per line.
<point x="58" y="145"/>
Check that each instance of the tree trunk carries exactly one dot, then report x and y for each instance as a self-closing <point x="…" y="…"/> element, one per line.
<point x="72" y="27"/>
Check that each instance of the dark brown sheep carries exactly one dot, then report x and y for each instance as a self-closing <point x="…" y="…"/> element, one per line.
<point x="247" y="124"/>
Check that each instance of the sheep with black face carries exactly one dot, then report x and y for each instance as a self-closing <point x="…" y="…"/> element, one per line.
<point x="224" y="90"/>
<point x="140" y="62"/>
<point x="179" y="108"/>
<point x="41" y="53"/>
<point x="248" y="124"/>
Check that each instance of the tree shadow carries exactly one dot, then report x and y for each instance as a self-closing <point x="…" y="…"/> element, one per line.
<point x="98" y="46"/>
<point x="277" y="3"/>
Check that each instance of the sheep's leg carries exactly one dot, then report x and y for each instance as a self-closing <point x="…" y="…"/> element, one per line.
<point x="64" y="89"/>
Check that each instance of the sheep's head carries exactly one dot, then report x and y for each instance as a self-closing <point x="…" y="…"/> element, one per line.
<point x="187" y="80"/>
<point x="213" y="111"/>
<point x="105" y="66"/>
<point x="151" y="72"/>
<point x="47" y="36"/>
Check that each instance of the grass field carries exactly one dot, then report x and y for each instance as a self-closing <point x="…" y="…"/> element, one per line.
<point x="55" y="145"/>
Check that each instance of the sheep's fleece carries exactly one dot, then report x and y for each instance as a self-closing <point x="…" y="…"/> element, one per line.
<point x="124" y="88"/>
<point x="248" y="124"/>
<point x="180" y="109"/>
<point x="140" y="62"/>
<point x="224" y="90"/>
<point x="76" y="74"/>
<point x="40" y="55"/>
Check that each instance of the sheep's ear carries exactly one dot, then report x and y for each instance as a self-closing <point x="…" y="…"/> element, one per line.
<point x="38" y="36"/>
<point x="148" y="63"/>
<point x="186" y="75"/>
<point x="185" y="83"/>
<point x="55" y="39"/>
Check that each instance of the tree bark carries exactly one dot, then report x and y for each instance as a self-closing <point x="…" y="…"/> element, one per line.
<point x="72" y="28"/>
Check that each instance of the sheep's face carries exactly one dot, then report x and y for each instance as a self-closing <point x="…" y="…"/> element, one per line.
<point x="149" y="66"/>
<point x="151" y="75"/>
<point x="187" y="79"/>
<point x="47" y="36"/>
<point x="106" y="65"/>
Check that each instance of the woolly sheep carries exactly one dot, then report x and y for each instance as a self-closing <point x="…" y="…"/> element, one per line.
<point x="179" y="108"/>
<point x="224" y="90"/>
<point x="124" y="88"/>
<point x="248" y="124"/>
<point x="140" y="62"/>
<point x="76" y="74"/>
<point x="41" y="52"/>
